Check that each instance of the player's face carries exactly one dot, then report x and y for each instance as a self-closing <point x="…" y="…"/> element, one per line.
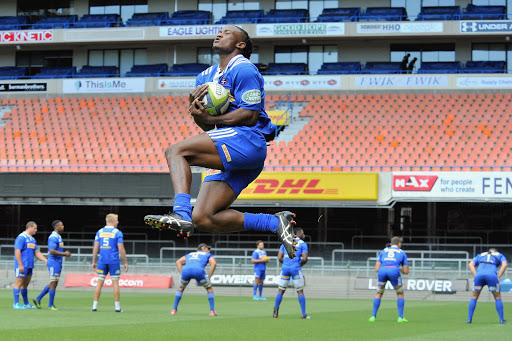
<point x="301" y="235"/>
<point x="59" y="227"/>
<point x="32" y="230"/>
<point x="261" y="246"/>
<point x="228" y="39"/>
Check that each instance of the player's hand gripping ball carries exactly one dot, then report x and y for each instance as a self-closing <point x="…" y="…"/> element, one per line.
<point x="265" y="258"/>
<point x="216" y="100"/>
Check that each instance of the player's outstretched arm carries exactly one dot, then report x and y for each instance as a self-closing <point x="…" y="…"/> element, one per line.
<point x="122" y="253"/>
<point x="502" y="269"/>
<point x="95" y="251"/>
<point x="472" y="268"/>
<point x="180" y="262"/>
<point x="213" y="265"/>
<point x="40" y="256"/>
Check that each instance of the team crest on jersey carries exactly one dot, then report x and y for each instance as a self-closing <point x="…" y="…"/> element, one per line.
<point x="223" y="81"/>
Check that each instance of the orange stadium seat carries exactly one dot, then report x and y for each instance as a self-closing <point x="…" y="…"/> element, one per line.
<point x="354" y="132"/>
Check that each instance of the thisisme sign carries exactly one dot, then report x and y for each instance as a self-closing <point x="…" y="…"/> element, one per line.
<point x="103" y="85"/>
<point x="437" y="285"/>
<point x="449" y="185"/>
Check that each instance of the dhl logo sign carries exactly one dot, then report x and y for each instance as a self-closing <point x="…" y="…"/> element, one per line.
<point x="312" y="186"/>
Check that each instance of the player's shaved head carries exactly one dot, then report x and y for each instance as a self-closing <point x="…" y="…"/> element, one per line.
<point x="396" y="240"/>
<point x="493" y="249"/>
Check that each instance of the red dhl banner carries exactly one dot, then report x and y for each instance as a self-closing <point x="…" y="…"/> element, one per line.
<point x="313" y="186"/>
<point x="126" y="281"/>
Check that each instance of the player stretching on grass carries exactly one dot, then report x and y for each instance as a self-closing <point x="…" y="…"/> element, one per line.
<point x="292" y="268"/>
<point x="235" y="152"/>
<point x="392" y="261"/>
<point x="192" y="266"/>
<point x="487" y="263"/>
<point x="55" y="254"/>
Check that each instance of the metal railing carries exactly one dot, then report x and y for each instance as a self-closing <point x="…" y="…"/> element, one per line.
<point x="435" y="238"/>
<point x="422" y="253"/>
<point x="435" y="264"/>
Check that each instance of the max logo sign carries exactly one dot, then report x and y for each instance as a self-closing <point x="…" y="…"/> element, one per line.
<point x="288" y="186"/>
<point x="416" y="183"/>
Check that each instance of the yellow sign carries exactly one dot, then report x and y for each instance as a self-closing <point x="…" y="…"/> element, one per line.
<point x="279" y="117"/>
<point x="107" y="235"/>
<point x="313" y="186"/>
<point x="31" y="246"/>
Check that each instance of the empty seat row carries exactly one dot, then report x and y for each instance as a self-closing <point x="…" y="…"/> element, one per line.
<point x="399" y="131"/>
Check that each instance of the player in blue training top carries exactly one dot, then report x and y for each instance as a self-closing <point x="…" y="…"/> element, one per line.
<point x="292" y="268"/>
<point x="235" y="151"/>
<point x="109" y="244"/>
<point x="392" y="261"/>
<point x="487" y="274"/>
<point x="25" y="248"/>
<point x="55" y="254"/>
<point x="191" y="266"/>
<point x="260" y="260"/>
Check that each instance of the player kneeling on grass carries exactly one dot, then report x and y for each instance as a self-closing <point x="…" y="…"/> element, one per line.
<point x="55" y="254"/>
<point x="486" y="274"/>
<point x="392" y="261"/>
<point x="191" y="266"/>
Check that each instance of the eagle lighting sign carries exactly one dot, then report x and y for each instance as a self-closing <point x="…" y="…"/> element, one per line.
<point x="312" y="186"/>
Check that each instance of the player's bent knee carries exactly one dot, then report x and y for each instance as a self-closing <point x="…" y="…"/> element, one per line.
<point x="400" y="290"/>
<point x="207" y="285"/>
<point x="54" y="279"/>
<point x="381" y="290"/>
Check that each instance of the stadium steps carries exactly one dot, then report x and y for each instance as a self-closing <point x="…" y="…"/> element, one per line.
<point x="373" y="132"/>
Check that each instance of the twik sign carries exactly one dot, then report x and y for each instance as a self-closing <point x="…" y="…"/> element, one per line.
<point x="288" y="186"/>
<point x="416" y="183"/>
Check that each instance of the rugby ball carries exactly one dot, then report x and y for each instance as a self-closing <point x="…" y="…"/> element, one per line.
<point x="216" y="100"/>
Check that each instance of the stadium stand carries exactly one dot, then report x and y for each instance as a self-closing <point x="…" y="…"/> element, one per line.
<point x="339" y="14"/>
<point x="440" y="67"/>
<point x="340" y="68"/>
<point x="241" y="17"/>
<point x="484" y="67"/>
<point x="382" y="68"/>
<point x="63" y="21"/>
<point x="372" y="132"/>
<point x="148" y="19"/>
<point x="474" y="12"/>
<point x="97" y="71"/>
<point x="285" y="16"/>
<point x="56" y="72"/>
<point x="13" y="23"/>
<point x="99" y="20"/>
<point x="188" y="69"/>
<point x="12" y="72"/>
<point x="439" y="13"/>
<point x="189" y="18"/>
<point x="150" y="70"/>
<point x="285" y="69"/>
<point x="384" y="14"/>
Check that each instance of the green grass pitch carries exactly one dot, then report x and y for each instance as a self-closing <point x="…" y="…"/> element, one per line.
<point x="146" y="317"/>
